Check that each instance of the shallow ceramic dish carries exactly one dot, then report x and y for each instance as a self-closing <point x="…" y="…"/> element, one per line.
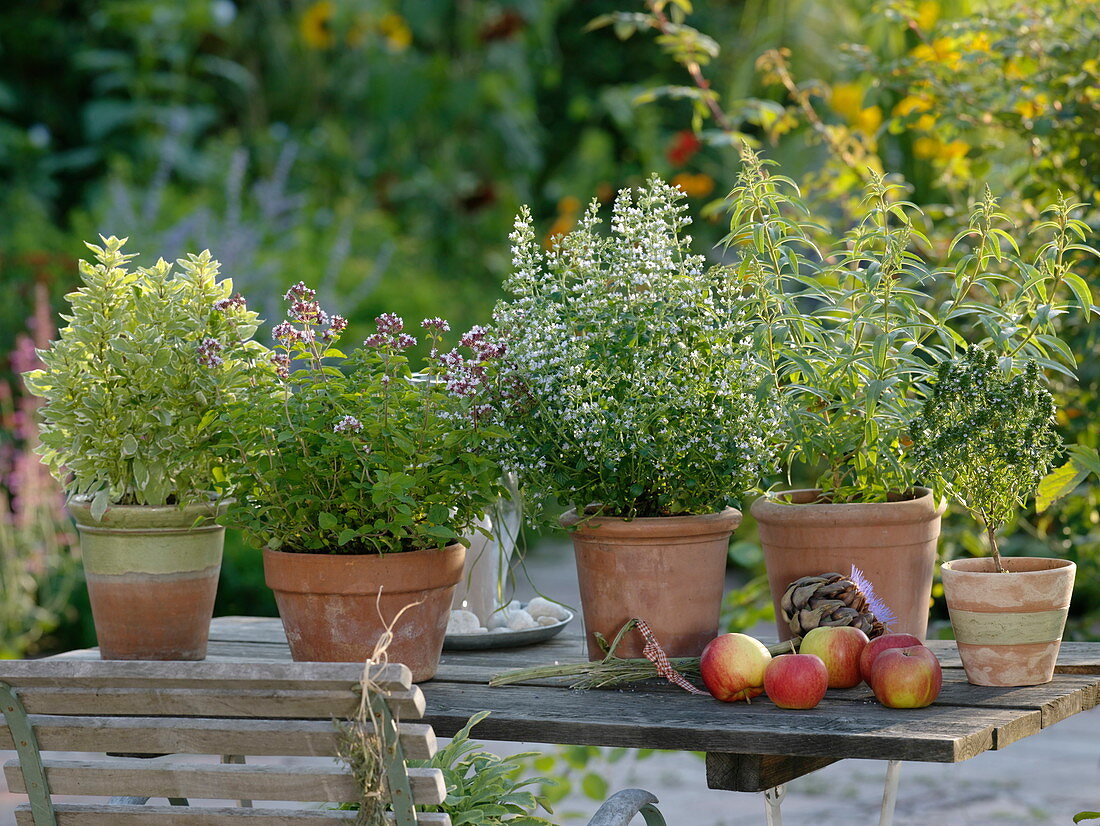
<point x="504" y="639"/>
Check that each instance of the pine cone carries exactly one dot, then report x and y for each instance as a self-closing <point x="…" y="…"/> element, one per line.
<point x="828" y="599"/>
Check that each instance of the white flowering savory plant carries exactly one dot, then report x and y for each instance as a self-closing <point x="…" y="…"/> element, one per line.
<point x="986" y="438"/>
<point x="132" y="384"/>
<point x="352" y="454"/>
<point x="629" y="379"/>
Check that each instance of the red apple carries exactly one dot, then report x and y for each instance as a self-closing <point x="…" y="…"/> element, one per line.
<point x="839" y="646"/>
<point x="906" y="677"/>
<point x="733" y="666"/>
<point x="880" y="644"/>
<point x="796" y="680"/>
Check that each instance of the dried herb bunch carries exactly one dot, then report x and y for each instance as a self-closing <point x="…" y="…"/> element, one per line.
<point x="986" y="438"/>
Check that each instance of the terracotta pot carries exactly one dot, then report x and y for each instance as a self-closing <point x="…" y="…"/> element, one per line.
<point x="669" y="571"/>
<point x="335" y="607"/>
<point x="1008" y="626"/>
<point x="152" y="576"/>
<point x="893" y="543"/>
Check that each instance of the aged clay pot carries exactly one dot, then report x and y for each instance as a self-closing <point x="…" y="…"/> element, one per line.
<point x="152" y="576"/>
<point x="669" y="571"/>
<point x="1008" y="626"/>
<point x="893" y="543"/>
<point x="335" y="607"/>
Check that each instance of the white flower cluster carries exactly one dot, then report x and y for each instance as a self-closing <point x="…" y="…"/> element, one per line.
<point x="630" y="374"/>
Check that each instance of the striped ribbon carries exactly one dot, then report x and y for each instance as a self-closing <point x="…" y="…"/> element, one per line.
<point x="656" y="655"/>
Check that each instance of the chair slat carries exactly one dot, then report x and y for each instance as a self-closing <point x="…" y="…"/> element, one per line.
<point x="406" y="704"/>
<point x="138" y="673"/>
<point x="190" y="735"/>
<point x="70" y="814"/>
<point x="142" y="778"/>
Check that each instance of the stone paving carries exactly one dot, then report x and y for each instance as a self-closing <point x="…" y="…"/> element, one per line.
<point x="1043" y="779"/>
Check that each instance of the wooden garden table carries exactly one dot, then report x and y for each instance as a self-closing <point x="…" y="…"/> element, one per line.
<point x="750" y="747"/>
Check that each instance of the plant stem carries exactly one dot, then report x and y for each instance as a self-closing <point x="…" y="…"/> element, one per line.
<point x="991" y="532"/>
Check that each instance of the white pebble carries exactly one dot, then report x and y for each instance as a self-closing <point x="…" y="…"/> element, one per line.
<point x="463" y="622"/>
<point x="540" y="607"/>
<point x="500" y="629"/>
<point x="520" y="620"/>
<point x="544" y="620"/>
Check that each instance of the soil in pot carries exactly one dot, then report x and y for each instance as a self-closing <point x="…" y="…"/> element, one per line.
<point x="1008" y="626"/>
<point x="335" y="607"/>
<point x="669" y="571"/>
<point x="893" y="543"/>
<point x="152" y="576"/>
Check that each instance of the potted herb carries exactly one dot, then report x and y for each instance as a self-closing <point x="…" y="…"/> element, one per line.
<point x="633" y="399"/>
<point x="853" y="328"/>
<point x="359" y="480"/>
<point x="987" y="439"/>
<point x="130" y="391"/>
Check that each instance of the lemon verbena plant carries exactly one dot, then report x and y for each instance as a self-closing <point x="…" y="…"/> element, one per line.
<point x="986" y="438"/>
<point x="629" y="378"/>
<point x="853" y="325"/>
<point x="352" y="453"/>
<point x="132" y="384"/>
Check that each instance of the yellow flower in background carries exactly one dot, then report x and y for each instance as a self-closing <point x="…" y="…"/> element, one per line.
<point x="1033" y="107"/>
<point x="396" y="32"/>
<point x="315" y="25"/>
<point x="941" y="50"/>
<point x="915" y="104"/>
<point x="869" y="119"/>
<point x="928" y="12"/>
<point x="846" y="99"/>
<point x="928" y="147"/>
<point x="1013" y="70"/>
<point x="694" y="186"/>
<point x="975" y="42"/>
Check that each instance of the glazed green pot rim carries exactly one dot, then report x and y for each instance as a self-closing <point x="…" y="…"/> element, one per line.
<point x="118" y="518"/>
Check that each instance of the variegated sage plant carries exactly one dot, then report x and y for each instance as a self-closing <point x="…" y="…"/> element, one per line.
<point x="630" y="379"/>
<point x="132" y="383"/>
<point x="854" y="326"/>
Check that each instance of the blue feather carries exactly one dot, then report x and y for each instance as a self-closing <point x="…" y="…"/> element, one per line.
<point x="882" y="613"/>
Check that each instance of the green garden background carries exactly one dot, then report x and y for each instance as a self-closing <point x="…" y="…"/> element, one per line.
<point x="379" y="151"/>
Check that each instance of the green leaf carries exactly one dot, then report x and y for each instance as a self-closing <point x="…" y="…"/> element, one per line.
<point x="327" y="521"/>
<point x="129" y="445"/>
<point x="99" y="504"/>
<point x="1080" y="816"/>
<point x="1057" y="484"/>
<point x="594" y="786"/>
<point x="1081" y="290"/>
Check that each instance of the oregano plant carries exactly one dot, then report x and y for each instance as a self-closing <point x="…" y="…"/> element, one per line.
<point x="133" y="381"/>
<point x="354" y="453"/>
<point x="986" y="437"/>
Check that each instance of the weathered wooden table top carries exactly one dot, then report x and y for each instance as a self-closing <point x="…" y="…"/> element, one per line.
<point x="750" y="746"/>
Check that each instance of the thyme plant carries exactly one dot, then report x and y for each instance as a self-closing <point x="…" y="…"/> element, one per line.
<point x="350" y="453"/>
<point x="986" y="438"/>
<point x="629" y="378"/>
<point x="132" y="383"/>
<point x="854" y="326"/>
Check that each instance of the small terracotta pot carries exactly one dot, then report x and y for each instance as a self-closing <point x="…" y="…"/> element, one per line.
<point x="335" y="607"/>
<point x="152" y="575"/>
<point x="1008" y="626"/>
<point x="669" y="571"/>
<point x="893" y="543"/>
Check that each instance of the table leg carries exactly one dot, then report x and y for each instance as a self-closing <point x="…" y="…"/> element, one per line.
<point x="773" y="798"/>
<point x="890" y="793"/>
